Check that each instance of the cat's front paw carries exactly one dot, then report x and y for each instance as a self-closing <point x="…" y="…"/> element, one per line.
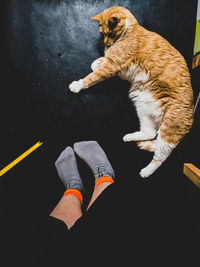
<point x="97" y="64"/>
<point x="76" y="86"/>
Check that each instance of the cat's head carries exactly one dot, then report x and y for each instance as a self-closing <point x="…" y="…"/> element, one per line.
<point x="113" y="23"/>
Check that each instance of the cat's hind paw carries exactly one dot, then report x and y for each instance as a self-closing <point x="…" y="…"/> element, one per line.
<point x="132" y="137"/>
<point x="145" y="172"/>
<point x="128" y="138"/>
<point x="76" y="86"/>
<point x="150" y="168"/>
<point x="138" y="136"/>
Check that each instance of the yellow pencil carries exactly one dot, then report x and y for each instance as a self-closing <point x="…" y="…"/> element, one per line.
<point x="17" y="160"/>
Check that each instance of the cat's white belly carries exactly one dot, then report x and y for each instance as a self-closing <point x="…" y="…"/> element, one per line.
<point x="148" y="109"/>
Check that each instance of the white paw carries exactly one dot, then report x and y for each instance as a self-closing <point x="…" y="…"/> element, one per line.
<point x="137" y="136"/>
<point x="144" y="173"/>
<point x="96" y="64"/>
<point x="129" y="137"/>
<point x="150" y="169"/>
<point x="76" y="86"/>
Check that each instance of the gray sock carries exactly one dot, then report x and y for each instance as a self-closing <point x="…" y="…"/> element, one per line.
<point x="66" y="166"/>
<point x="95" y="157"/>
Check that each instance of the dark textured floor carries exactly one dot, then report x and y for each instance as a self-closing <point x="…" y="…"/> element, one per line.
<point x="47" y="44"/>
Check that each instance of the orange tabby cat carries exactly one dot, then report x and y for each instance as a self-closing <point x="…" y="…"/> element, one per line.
<point x="160" y="82"/>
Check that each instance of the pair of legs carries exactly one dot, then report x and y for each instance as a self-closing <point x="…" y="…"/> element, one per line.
<point x="156" y="131"/>
<point x="69" y="207"/>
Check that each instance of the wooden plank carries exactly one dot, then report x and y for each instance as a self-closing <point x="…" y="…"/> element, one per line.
<point x="196" y="61"/>
<point x="192" y="172"/>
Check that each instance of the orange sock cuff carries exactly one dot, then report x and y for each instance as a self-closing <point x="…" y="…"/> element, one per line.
<point x="74" y="192"/>
<point x="103" y="179"/>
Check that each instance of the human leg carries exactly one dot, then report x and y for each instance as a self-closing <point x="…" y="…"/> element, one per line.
<point x="97" y="192"/>
<point x="96" y="159"/>
<point x="68" y="210"/>
<point x="69" y="207"/>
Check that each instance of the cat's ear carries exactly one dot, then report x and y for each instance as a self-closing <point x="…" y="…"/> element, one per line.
<point x="96" y="18"/>
<point x="112" y="22"/>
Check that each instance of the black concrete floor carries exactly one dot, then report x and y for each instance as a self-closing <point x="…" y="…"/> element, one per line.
<point x="47" y="44"/>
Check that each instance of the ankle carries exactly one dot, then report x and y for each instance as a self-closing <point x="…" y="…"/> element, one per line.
<point x="103" y="180"/>
<point x="97" y="192"/>
<point x="75" y="193"/>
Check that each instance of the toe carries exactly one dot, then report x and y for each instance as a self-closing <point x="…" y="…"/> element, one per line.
<point x="69" y="150"/>
<point x="126" y="138"/>
<point x="144" y="173"/>
<point x="66" y="153"/>
<point x="79" y="146"/>
<point x="83" y="144"/>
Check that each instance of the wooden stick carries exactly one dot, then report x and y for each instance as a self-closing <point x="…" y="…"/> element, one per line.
<point x="192" y="172"/>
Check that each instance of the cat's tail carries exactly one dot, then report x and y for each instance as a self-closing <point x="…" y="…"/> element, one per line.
<point x="147" y="145"/>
